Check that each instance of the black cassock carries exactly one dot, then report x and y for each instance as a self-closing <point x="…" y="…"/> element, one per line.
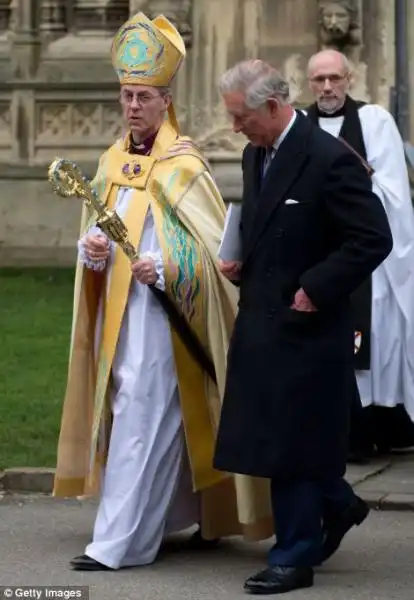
<point x="374" y="428"/>
<point x="313" y="222"/>
<point x="361" y="299"/>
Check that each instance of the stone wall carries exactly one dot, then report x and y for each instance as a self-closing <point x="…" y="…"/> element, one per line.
<point x="58" y="92"/>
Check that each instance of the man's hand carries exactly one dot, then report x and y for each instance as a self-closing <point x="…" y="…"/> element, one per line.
<point x="302" y="303"/>
<point x="144" y="271"/>
<point x="230" y="269"/>
<point x="97" y="247"/>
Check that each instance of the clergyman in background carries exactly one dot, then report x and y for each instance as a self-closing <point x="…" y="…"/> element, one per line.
<point x="383" y="306"/>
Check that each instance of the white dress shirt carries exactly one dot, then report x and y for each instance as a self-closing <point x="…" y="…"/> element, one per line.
<point x="270" y="152"/>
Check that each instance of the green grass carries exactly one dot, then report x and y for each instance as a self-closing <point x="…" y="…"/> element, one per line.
<point x="35" y="320"/>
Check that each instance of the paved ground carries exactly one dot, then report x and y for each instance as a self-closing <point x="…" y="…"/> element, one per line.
<point x="386" y="483"/>
<point x="39" y="535"/>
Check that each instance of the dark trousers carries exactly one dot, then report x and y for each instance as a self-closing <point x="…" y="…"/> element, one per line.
<point x="299" y="510"/>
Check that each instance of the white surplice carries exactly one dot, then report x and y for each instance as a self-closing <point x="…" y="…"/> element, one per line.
<point x="390" y="380"/>
<point x="147" y="488"/>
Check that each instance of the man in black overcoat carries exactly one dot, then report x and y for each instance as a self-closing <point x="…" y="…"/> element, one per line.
<point x="311" y="232"/>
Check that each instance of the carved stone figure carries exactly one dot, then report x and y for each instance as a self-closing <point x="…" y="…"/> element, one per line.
<point x="339" y="27"/>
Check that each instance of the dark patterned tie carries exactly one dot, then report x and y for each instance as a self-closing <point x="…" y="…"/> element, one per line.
<point x="268" y="159"/>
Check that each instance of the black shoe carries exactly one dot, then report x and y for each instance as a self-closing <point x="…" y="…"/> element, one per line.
<point x="197" y="542"/>
<point x="278" y="580"/>
<point x="86" y="563"/>
<point x="336" y="529"/>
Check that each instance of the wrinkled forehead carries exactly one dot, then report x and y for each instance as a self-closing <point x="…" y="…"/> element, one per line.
<point x="138" y="89"/>
<point x="326" y="67"/>
<point x="235" y="103"/>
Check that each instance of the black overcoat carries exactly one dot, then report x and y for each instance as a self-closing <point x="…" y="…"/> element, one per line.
<point x="312" y="223"/>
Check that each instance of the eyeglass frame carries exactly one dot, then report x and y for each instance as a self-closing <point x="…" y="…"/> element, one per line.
<point x="333" y="79"/>
<point x="143" y="97"/>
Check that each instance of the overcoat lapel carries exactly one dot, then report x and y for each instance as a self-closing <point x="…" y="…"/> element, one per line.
<point x="251" y="192"/>
<point x="283" y="171"/>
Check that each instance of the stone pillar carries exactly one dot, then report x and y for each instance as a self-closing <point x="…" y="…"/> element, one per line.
<point x="6" y="22"/>
<point x="5" y="14"/>
<point x="53" y="17"/>
<point x="288" y="37"/>
<point x="376" y="68"/>
<point x="221" y="37"/>
<point x="26" y="43"/>
<point x="25" y="55"/>
<point x="98" y="17"/>
<point x="5" y="97"/>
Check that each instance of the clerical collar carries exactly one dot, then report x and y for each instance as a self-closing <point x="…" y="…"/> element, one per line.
<point x="144" y="148"/>
<point x="340" y="112"/>
<point x="351" y="127"/>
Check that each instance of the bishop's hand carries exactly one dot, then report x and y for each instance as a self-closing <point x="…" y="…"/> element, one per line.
<point x="144" y="271"/>
<point x="97" y="247"/>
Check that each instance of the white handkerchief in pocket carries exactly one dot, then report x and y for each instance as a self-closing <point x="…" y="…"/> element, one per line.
<point x="291" y="201"/>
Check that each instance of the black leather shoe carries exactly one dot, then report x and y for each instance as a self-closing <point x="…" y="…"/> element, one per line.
<point x="86" y="563"/>
<point x="337" y="528"/>
<point x="278" y="580"/>
<point x="197" y="542"/>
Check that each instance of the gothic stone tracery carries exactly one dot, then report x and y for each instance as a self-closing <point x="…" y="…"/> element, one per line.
<point x="58" y="91"/>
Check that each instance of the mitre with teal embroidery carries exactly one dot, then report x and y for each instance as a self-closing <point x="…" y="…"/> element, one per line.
<point x="147" y="52"/>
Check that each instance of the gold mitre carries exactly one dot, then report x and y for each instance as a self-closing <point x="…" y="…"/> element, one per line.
<point x="148" y="52"/>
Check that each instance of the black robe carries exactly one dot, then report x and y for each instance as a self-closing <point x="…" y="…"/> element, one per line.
<point x="374" y="429"/>
<point x="361" y="299"/>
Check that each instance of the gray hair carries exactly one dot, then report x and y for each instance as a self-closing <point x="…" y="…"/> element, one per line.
<point x="258" y="80"/>
<point x="165" y="91"/>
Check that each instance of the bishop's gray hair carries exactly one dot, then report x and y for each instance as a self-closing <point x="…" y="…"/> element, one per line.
<point x="258" y="81"/>
<point x="165" y="91"/>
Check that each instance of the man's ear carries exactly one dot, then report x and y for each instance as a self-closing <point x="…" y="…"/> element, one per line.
<point x="272" y="106"/>
<point x="167" y="100"/>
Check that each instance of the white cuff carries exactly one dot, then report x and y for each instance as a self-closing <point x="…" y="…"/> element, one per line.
<point x="94" y="265"/>
<point x="159" y="267"/>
